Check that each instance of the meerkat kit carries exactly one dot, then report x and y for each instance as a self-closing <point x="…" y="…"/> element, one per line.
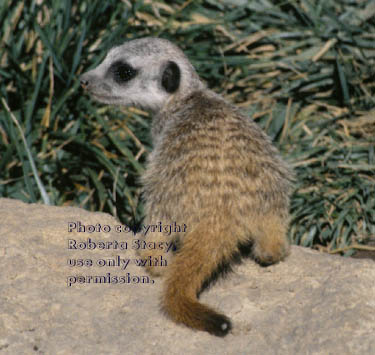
<point x="211" y="168"/>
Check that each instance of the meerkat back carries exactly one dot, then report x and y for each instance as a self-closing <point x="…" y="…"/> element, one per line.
<point x="211" y="169"/>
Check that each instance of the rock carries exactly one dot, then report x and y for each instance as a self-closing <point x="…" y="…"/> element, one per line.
<point x="312" y="303"/>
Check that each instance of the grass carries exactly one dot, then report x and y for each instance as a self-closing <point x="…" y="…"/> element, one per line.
<point x="304" y="70"/>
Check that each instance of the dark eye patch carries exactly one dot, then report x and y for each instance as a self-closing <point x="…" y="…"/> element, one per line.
<point x="122" y="72"/>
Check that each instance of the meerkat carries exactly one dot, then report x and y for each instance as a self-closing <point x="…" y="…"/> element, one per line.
<point x="211" y="168"/>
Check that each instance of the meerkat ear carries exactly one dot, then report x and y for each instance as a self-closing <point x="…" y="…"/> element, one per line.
<point x="171" y="77"/>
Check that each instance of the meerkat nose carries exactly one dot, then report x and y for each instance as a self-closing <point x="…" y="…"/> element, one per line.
<point x="84" y="81"/>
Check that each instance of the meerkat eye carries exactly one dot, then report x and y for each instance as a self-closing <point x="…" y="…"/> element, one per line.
<point x="122" y="72"/>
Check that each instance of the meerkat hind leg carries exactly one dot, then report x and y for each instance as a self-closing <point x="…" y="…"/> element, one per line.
<point x="271" y="243"/>
<point x="157" y="239"/>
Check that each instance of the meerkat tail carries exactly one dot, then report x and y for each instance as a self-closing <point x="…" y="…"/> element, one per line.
<point x="196" y="261"/>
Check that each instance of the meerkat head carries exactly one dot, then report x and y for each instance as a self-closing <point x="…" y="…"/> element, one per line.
<point x="145" y="73"/>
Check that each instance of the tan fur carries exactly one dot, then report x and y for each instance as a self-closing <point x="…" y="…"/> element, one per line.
<point x="213" y="169"/>
<point x="217" y="172"/>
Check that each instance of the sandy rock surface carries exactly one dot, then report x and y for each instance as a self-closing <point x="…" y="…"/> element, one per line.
<point x="312" y="303"/>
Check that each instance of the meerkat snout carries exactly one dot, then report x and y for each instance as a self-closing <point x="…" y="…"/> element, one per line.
<point x="84" y="81"/>
<point x="212" y="169"/>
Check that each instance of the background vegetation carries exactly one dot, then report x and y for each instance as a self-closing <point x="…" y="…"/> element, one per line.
<point x="303" y="69"/>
